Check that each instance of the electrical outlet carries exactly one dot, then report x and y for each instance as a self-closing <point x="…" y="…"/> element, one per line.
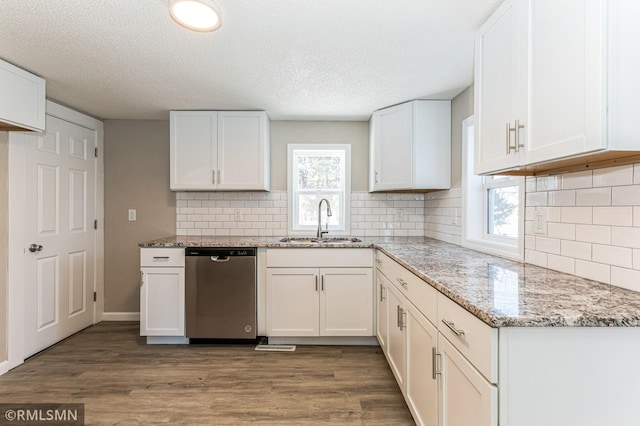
<point x="399" y="215"/>
<point x="454" y="217"/>
<point x="238" y="213"/>
<point x="132" y="215"/>
<point x="540" y="222"/>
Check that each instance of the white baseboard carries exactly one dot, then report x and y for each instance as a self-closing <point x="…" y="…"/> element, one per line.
<point x="4" y="367"/>
<point x="121" y="316"/>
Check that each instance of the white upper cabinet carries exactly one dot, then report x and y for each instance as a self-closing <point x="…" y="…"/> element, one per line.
<point x="553" y="80"/>
<point x="22" y="104"/>
<point x="410" y="147"/>
<point x="219" y="150"/>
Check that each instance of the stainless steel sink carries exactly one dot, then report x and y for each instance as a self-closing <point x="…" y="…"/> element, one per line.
<point x="315" y="240"/>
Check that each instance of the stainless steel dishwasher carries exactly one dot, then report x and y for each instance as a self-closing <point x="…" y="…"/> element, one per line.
<point x="220" y="293"/>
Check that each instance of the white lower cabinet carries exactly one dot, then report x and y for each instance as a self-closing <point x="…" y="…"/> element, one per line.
<point x="396" y="336"/>
<point x="162" y="302"/>
<point x="465" y="397"/>
<point x="421" y="383"/>
<point x="309" y="302"/>
<point x="441" y="387"/>
<point x="382" y="289"/>
<point x="162" y="292"/>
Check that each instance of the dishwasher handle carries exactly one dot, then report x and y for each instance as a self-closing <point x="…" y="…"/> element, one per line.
<point x="220" y="259"/>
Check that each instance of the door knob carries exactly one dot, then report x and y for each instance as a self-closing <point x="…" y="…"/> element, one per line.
<point x="35" y="247"/>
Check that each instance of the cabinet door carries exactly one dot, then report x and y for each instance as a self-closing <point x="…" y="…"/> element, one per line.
<point x="564" y="78"/>
<point x="381" y="317"/>
<point x="466" y="398"/>
<point x="162" y="302"/>
<point x="396" y="338"/>
<point x="193" y="150"/>
<point x="346" y="302"/>
<point x="22" y="104"/>
<point x="392" y="148"/>
<point x="293" y="302"/>
<point x="243" y="150"/>
<point x="422" y="386"/>
<point x="496" y="90"/>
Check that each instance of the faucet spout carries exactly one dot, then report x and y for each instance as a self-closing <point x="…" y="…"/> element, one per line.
<point x="320" y="232"/>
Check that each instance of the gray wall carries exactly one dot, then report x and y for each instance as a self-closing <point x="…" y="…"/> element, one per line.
<point x="355" y="133"/>
<point x="136" y="169"/>
<point x="461" y="108"/>
<point x="136" y="166"/>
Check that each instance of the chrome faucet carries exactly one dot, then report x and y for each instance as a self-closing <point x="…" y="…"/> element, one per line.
<point x="320" y="232"/>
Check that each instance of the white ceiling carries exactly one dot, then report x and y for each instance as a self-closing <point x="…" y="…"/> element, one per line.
<point x="296" y="59"/>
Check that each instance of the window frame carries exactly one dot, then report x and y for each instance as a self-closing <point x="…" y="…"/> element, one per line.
<point x="295" y="229"/>
<point x="474" y="196"/>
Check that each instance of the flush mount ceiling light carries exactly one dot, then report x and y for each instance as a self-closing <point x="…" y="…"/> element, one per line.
<point x="196" y="15"/>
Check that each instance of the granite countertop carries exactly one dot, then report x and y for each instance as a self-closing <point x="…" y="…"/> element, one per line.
<point x="500" y="292"/>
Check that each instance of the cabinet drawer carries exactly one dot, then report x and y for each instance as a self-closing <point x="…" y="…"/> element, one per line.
<point x="319" y="258"/>
<point x="421" y="294"/>
<point x="167" y="257"/>
<point x="474" y="339"/>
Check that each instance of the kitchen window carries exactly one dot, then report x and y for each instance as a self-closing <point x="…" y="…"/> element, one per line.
<point x="316" y="172"/>
<point x="493" y="206"/>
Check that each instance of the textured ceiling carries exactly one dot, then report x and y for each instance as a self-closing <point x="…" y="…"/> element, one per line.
<point x="296" y="59"/>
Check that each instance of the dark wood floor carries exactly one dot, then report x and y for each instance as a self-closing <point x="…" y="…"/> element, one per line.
<point x="123" y="381"/>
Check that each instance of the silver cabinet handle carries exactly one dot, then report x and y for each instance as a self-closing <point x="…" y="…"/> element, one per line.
<point x="398" y="314"/>
<point x="403" y="319"/>
<point x="213" y="177"/>
<point x="517" y="129"/>
<point x="160" y="257"/>
<point x="402" y="282"/>
<point x="316" y="283"/>
<point x="219" y="177"/>
<point x="382" y="293"/>
<point x="434" y="363"/>
<point x="322" y="283"/>
<point x="35" y="247"/>
<point x="508" y="138"/>
<point x="452" y="326"/>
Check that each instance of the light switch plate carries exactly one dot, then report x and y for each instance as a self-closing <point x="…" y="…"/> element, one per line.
<point x="132" y="215"/>
<point x="540" y="222"/>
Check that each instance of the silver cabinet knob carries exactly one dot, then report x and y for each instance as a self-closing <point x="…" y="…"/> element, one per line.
<point x="35" y="247"/>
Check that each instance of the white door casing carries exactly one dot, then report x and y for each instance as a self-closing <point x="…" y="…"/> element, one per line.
<point x="55" y="194"/>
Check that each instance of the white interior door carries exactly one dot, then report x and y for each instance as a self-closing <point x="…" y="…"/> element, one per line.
<point x="60" y="236"/>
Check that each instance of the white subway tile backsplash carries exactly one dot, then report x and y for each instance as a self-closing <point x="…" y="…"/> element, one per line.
<point x="625" y="237"/>
<point x="577" y="215"/>
<point x="613" y="176"/>
<point x="534" y="199"/>
<point x="593" y="271"/>
<point x="562" y="198"/>
<point x="577" y="180"/>
<point x="636" y="258"/>
<point x="575" y="249"/>
<point x="593" y="197"/>
<point x="622" y="216"/>
<point x="548" y="183"/>
<point x="627" y="278"/>
<point x="611" y="255"/>
<point x="593" y="234"/>
<point x="565" y="231"/>
<point x="535" y="258"/>
<point x="561" y="263"/>
<point x="625" y="195"/>
<point x="548" y="245"/>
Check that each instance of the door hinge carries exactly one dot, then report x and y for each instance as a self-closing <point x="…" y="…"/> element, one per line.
<point x="96" y="152"/>
<point x="95" y="296"/>
<point x="95" y="224"/>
